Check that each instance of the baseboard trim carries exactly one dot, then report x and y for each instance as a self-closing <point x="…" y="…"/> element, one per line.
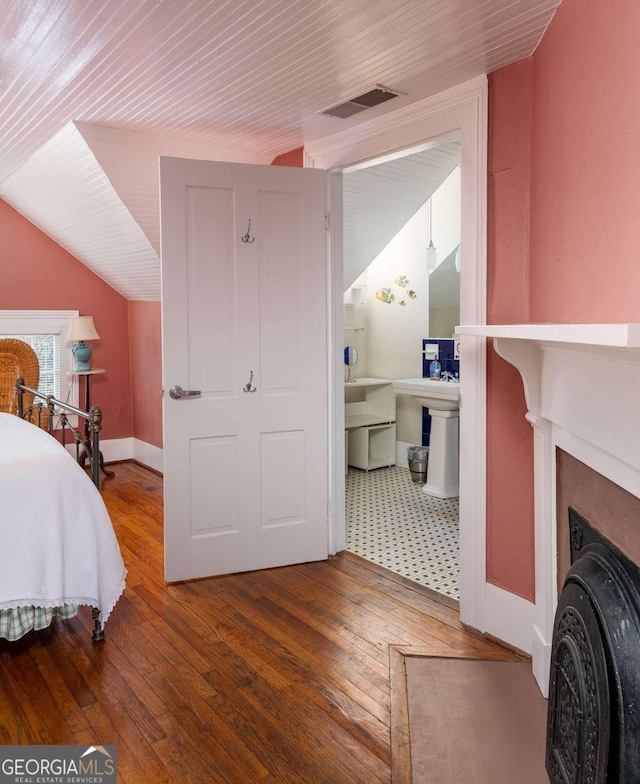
<point x="114" y="450"/>
<point x="401" y="453"/>
<point x="118" y="450"/>
<point x="146" y="467"/>
<point x="148" y="455"/>
<point x="541" y="660"/>
<point x="508" y="617"/>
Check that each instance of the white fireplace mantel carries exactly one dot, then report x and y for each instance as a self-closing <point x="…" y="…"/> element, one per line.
<point x="582" y="390"/>
<point x="622" y="335"/>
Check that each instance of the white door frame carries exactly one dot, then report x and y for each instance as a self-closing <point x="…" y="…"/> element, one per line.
<point x="461" y="110"/>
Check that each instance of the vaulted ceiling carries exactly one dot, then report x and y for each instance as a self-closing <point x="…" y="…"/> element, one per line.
<point x="379" y="200"/>
<point x="91" y="93"/>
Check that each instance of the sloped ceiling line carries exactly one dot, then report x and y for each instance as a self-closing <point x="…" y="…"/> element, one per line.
<point x="379" y="200"/>
<point x="96" y="192"/>
<point x="64" y="191"/>
<point x="243" y="78"/>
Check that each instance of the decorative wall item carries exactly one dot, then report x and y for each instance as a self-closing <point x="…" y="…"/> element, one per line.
<point x="385" y="294"/>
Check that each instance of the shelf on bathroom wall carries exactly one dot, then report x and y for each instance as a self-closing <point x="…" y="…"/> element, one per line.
<point x="364" y="420"/>
<point x="366" y="381"/>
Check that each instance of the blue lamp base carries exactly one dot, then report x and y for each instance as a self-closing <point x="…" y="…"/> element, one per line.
<point x="82" y="354"/>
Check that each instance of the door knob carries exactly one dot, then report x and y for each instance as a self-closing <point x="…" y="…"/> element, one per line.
<point x="177" y="392"/>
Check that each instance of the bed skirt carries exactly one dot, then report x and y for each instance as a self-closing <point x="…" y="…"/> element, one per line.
<point x="16" y="622"/>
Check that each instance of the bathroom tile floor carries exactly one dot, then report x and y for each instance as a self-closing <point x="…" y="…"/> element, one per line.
<point x="392" y="523"/>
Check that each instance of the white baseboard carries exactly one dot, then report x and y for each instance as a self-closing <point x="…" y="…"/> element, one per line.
<point x="117" y="449"/>
<point x="541" y="661"/>
<point x="149" y="455"/>
<point x="113" y="449"/>
<point x="508" y="617"/>
<point x="401" y="453"/>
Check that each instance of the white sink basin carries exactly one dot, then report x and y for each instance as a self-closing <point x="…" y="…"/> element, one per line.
<point x="436" y="395"/>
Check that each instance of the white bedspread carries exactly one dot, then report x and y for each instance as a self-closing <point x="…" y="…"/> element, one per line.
<point x="57" y="543"/>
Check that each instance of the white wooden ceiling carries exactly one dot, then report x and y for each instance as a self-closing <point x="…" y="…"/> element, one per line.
<point x="247" y="76"/>
<point x="379" y="200"/>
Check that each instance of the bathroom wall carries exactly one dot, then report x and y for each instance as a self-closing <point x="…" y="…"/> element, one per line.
<point x="447" y="217"/>
<point x="443" y="321"/>
<point x="390" y="345"/>
<point x="355" y="325"/>
<point x="394" y="331"/>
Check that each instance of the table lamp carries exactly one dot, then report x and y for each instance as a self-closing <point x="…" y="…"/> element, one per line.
<point x="82" y="329"/>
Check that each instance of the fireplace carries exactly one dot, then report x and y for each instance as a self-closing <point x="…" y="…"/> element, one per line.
<point x="594" y="693"/>
<point x="582" y="387"/>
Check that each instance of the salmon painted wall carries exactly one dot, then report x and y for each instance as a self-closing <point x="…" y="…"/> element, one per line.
<point x="145" y="345"/>
<point x="585" y="156"/>
<point x="291" y="158"/>
<point x="576" y="256"/>
<point x="38" y="274"/>
<point x="510" y="556"/>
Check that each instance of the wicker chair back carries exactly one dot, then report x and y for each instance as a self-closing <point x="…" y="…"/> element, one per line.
<point x="18" y="360"/>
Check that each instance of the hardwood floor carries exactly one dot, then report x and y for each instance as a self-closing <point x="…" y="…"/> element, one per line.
<point x="270" y="676"/>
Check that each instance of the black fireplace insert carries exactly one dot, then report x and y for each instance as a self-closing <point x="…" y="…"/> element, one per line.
<point x="593" y="723"/>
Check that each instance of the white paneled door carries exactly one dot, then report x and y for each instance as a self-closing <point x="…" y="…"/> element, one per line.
<point x="244" y="322"/>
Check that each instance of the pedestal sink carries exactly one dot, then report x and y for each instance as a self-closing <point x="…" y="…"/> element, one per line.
<point x="442" y="398"/>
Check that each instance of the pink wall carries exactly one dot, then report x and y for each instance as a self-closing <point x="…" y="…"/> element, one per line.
<point x="510" y="561"/>
<point x="38" y="274"/>
<point x="564" y="234"/>
<point x="291" y="158"/>
<point x="585" y="229"/>
<point x="145" y="343"/>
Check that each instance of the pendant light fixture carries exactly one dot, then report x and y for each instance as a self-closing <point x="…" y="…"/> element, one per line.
<point x="431" y="256"/>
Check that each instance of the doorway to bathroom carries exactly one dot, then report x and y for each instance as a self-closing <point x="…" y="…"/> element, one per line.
<point x="393" y="210"/>
<point x="391" y="133"/>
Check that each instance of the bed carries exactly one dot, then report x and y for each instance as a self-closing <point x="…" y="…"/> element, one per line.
<point x="59" y="549"/>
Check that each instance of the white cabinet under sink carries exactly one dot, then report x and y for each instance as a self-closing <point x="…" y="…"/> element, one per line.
<point x="370" y="423"/>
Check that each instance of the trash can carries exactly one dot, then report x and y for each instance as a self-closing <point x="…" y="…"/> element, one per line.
<point x="418" y="457"/>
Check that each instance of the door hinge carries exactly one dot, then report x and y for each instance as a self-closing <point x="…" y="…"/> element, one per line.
<point x="326" y="222"/>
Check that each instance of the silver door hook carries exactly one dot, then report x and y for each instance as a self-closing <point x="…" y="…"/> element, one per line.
<point x="247" y="387"/>
<point x="247" y="237"/>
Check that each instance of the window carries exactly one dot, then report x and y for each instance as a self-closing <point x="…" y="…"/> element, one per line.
<point x="47" y="348"/>
<point x="45" y="331"/>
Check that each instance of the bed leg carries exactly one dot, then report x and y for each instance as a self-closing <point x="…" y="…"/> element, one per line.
<point x="98" y="632"/>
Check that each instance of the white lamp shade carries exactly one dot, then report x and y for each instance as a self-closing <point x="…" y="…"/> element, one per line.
<point x="82" y="328"/>
<point x="431" y="257"/>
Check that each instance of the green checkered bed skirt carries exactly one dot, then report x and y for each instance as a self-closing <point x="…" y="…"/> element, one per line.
<point x="15" y="623"/>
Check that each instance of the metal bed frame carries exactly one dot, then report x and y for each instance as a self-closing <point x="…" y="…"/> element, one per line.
<point x="88" y="442"/>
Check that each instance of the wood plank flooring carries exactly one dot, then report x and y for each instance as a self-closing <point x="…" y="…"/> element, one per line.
<point x="271" y="676"/>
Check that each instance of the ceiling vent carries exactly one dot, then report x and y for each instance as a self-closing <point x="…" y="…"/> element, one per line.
<point x="374" y="97"/>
